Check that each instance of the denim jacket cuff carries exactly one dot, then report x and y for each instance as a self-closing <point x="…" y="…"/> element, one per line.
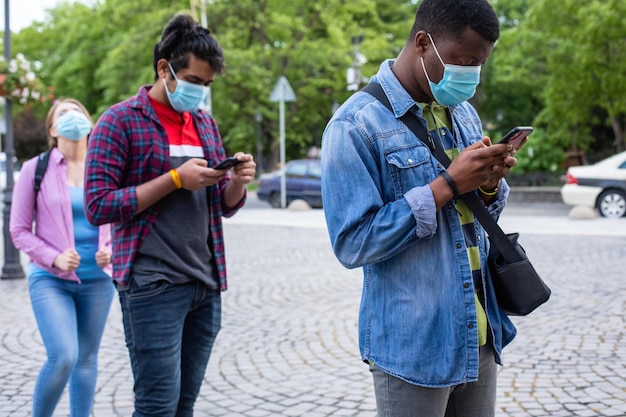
<point x="496" y="206"/>
<point x="422" y="203"/>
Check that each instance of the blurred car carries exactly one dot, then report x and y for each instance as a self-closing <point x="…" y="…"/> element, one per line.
<point x="303" y="181"/>
<point x="601" y="185"/>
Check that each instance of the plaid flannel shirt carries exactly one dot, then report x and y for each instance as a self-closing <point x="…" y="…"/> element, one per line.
<point x="128" y="147"/>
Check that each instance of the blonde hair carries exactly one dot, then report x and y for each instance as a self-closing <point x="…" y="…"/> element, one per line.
<point x="52" y="141"/>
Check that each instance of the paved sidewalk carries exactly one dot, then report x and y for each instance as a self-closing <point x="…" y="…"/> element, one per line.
<point x="288" y="346"/>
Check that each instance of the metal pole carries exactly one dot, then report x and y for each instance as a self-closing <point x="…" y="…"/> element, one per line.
<point x="356" y="65"/>
<point x="12" y="268"/>
<point x="259" y="142"/>
<point x="204" y="22"/>
<point x="283" y="177"/>
<point x="282" y="92"/>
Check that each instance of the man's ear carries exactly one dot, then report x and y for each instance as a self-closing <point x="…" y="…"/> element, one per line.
<point x="421" y="42"/>
<point x="163" y="68"/>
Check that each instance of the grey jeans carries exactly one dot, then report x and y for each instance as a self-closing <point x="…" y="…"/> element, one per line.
<point x="397" y="398"/>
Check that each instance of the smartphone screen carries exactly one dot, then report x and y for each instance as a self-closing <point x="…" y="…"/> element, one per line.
<point x="517" y="135"/>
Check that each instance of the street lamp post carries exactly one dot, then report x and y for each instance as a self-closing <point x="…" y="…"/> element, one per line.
<point x="205" y="23"/>
<point x="12" y="268"/>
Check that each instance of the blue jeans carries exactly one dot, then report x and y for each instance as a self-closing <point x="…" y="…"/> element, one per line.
<point x="397" y="398"/>
<point x="71" y="319"/>
<point x="170" y="331"/>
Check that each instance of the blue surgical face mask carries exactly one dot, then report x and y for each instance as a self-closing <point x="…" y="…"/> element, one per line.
<point x="187" y="96"/>
<point x="73" y="125"/>
<point x="458" y="84"/>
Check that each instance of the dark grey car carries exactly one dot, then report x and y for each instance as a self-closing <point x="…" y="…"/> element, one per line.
<point x="303" y="181"/>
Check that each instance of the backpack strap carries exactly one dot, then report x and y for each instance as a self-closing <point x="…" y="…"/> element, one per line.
<point x="40" y="171"/>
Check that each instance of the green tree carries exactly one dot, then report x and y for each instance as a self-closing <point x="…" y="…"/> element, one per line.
<point x="561" y="66"/>
<point x="102" y="53"/>
<point x="65" y="43"/>
<point x="584" y="67"/>
<point x="98" y="54"/>
<point x="557" y="68"/>
<point x="310" y="44"/>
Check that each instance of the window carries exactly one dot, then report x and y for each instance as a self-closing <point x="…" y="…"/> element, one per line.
<point x="315" y="170"/>
<point x="296" y="170"/>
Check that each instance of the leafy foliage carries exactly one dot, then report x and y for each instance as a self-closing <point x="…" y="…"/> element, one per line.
<point x="102" y="54"/>
<point x="557" y="68"/>
<point x="560" y="68"/>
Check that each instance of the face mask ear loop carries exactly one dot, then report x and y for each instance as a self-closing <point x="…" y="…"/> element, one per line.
<point x="167" y="91"/>
<point x="172" y="71"/>
<point x="424" y="68"/>
<point x="435" y="48"/>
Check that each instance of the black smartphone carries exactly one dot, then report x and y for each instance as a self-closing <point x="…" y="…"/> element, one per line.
<point x="517" y="135"/>
<point x="227" y="163"/>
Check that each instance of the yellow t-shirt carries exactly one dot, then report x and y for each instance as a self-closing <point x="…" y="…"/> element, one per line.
<point x="439" y="125"/>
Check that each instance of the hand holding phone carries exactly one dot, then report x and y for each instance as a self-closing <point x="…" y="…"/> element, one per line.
<point x="517" y="135"/>
<point x="227" y="163"/>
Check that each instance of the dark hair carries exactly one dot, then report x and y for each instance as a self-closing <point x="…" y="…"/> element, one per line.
<point x="183" y="36"/>
<point x="448" y="19"/>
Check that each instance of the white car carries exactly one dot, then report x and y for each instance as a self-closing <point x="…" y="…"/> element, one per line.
<point x="601" y="185"/>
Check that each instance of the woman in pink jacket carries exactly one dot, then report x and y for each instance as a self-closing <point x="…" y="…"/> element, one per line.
<point x="69" y="270"/>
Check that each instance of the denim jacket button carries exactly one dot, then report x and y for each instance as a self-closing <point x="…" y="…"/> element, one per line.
<point x="458" y="246"/>
<point x="466" y="285"/>
<point x="470" y="326"/>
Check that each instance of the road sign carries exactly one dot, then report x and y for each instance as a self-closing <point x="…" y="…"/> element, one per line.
<point x="282" y="93"/>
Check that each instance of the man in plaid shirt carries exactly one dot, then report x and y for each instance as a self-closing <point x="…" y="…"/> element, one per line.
<point x="148" y="172"/>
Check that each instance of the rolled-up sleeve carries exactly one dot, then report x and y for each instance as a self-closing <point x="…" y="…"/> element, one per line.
<point x="424" y="209"/>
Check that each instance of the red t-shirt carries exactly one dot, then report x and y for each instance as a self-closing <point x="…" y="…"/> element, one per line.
<point x="181" y="132"/>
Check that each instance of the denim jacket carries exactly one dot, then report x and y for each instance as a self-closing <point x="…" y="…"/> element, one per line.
<point x="417" y="318"/>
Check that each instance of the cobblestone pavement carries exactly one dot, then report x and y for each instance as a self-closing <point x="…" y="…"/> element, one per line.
<point x="288" y="346"/>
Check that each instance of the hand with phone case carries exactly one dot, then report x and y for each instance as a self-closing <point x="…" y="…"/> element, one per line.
<point x="517" y="136"/>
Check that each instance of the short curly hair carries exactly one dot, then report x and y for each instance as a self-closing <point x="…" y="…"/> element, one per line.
<point x="184" y="36"/>
<point x="448" y="19"/>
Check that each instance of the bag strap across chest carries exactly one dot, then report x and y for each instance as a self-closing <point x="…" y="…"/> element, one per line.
<point x="473" y="201"/>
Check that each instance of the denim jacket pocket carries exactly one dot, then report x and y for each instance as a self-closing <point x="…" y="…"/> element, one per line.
<point x="409" y="166"/>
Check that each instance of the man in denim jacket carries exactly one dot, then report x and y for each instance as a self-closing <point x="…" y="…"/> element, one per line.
<point x="429" y="326"/>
